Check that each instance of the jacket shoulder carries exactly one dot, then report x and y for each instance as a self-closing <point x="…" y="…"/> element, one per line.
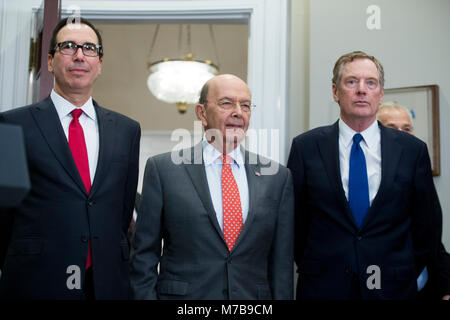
<point x="172" y="158"/>
<point x="20" y="112"/>
<point x="266" y="165"/>
<point x="314" y="134"/>
<point x="123" y="119"/>
<point x="406" y="140"/>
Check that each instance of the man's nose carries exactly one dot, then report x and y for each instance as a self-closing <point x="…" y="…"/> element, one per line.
<point x="237" y="110"/>
<point x="361" y="87"/>
<point x="79" y="55"/>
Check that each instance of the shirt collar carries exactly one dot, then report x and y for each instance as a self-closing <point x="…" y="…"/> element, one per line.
<point x="64" y="107"/>
<point x="212" y="155"/>
<point x="371" y="134"/>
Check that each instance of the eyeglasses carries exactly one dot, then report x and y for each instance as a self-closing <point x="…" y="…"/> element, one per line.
<point x="70" y="48"/>
<point x="230" y="104"/>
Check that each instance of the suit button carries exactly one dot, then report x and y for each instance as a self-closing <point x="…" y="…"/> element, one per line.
<point x="84" y="239"/>
<point x="90" y="203"/>
<point x="358" y="238"/>
<point x="229" y="260"/>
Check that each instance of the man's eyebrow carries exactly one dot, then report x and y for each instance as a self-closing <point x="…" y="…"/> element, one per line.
<point x="228" y="98"/>
<point x="355" y="77"/>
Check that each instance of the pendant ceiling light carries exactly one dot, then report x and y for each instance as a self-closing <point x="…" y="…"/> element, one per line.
<point x="179" y="80"/>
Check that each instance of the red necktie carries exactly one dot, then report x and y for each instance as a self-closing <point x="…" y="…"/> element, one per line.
<point x="231" y="202"/>
<point x="77" y="145"/>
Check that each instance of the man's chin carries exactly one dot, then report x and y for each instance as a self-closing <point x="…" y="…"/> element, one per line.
<point x="234" y="136"/>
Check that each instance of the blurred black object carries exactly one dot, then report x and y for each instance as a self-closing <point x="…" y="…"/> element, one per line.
<point x="14" y="178"/>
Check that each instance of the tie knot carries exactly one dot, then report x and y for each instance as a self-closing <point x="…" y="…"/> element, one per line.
<point x="357" y="138"/>
<point x="226" y="159"/>
<point x="76" y="113"/>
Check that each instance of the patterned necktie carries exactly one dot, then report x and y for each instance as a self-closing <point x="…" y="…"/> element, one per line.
<point x="358" y="187"/>
<point x="231" y="202"/>
<point x="77" y="145"/>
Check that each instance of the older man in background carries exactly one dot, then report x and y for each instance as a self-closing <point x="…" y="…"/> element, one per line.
<point x="434" y="281"/>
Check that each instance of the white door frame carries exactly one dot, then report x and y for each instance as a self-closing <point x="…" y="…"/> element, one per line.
<point x="267" y="48"/>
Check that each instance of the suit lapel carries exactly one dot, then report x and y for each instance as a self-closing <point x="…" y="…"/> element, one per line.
<point x="197" y="174"/>
<point x="329" y="152"/>
<point x="49" y="124"/>
<point x="253" y="172"/>
<point x="391" y="152"/>
<point x="106" y="132"/>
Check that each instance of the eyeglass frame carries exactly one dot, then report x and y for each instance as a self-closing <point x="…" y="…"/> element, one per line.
<point x="234" y="104"/>
<point x="79" y="46"/>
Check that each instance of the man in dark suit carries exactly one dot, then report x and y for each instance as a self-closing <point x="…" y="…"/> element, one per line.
<point x="224" y="215"/>
<point x="367" y="213"/>
<point x="434" y="281"/>
<point x="68" y="239"/>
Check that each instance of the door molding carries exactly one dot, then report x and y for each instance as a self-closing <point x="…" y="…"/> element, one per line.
<point x="268" y="22"/>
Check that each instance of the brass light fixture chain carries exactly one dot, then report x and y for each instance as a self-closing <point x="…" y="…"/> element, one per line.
<point x="155" y="35"/>
<point x="213" y="39"/>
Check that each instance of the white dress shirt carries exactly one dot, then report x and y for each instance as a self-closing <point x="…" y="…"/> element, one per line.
<point x="371" y="146"/>
<point x="213" y="168"/>
<point x="88" y="120"/>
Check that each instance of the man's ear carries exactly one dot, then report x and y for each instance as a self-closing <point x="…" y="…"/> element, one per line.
<point x="201" y="114"/>
<point x="334" y="88"/>
<point x="50" y="63"/>
<point x="381" y="96"/>
<point x="100" y="62"/>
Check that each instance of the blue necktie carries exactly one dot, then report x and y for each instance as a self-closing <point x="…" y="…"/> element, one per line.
<point x="358" y="187"/>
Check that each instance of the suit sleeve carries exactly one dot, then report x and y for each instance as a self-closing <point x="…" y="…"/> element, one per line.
<point x="439" y="265"/>
<point x="295" y="164"/>
<point x="426" y="220"/>
<point x="6" y="223"/>
<point x="147" y="239"/>
<point x="442" y="269"/>
<point x="132" y="180"/>
<point x="281" y="260"/>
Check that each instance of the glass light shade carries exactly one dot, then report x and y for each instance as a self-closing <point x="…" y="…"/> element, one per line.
<point x="179" y="81"/>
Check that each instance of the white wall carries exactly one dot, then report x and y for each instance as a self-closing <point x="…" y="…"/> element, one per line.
<point x="298" y="70"/>
<point x="413" y="45"/>
<point x="15" y="29"/>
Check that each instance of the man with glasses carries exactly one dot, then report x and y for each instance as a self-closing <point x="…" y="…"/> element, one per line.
<point x="367" y="215"/>
<point x="434" y="281"/>
<point x="224" y="221"/>
<point x="68" y="239"/>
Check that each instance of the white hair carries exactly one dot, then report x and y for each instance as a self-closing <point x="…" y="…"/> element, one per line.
<point x="392" y="105"/>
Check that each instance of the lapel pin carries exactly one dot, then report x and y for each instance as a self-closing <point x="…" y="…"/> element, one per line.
<point x="257" y="173"/>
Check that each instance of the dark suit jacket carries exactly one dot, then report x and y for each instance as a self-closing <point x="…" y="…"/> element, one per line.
<point x="398" y="233"/>
<point x="50" y="231"/>
<point x="438" y="284"/>
<point x="176" y="207"/>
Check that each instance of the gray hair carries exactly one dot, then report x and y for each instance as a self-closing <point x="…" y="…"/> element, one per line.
<point x="349" y="57"/>
<point x="391" y="105"/>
